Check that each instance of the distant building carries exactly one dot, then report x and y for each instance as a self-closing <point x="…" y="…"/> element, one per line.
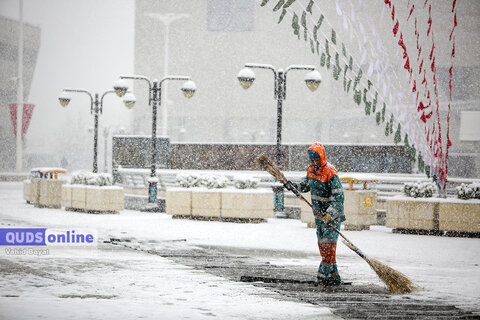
<point x="211" y="40"/>
<point x="8" y="88"/>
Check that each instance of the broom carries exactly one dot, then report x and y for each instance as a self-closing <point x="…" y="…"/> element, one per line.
<point x="395" y="281"/>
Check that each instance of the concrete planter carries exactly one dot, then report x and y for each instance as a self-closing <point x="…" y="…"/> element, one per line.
<point x="178" y="201"/>
<point x="27" y="190"/>
<point x="78" y="197"/>
<point x="412" y="213"/>
<point x="459" y="215"/>
<point x="306" y="213"/>
<point x="35" y="191"/>
<point x="248" y="203"/>
<point x="93" y="198"/>
<point x="104" y="198"/>
<point x="50" y="193"/>
<point x="67" y="196"/>
<point x="434" y="214"/>
<point x="360" y="209"/>
<point x="206" y="203"/>
<point x="220" y="203"/>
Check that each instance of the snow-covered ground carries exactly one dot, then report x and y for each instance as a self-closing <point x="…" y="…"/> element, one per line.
<point x="128" y="285"/>
<point x="77" y="283"/>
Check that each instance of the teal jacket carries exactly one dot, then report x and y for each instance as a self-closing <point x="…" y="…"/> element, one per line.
<point x="326" y="190"/>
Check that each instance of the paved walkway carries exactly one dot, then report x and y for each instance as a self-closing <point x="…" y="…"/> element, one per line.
<point x="348" y="302"/>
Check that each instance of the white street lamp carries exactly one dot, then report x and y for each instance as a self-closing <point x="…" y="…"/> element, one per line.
<point x="246" y="77"/>
<point x="64" y="99"/>
<point x="96" y="108"/>
<point x="154" y="99"/>
<point x="129" y="100"/>
<point x="188" y="89"/>
<point x="313" y="80"/>
<point x="120" y="86"/>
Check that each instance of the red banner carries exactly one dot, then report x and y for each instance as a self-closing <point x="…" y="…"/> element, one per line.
<point x="27" y="115"/>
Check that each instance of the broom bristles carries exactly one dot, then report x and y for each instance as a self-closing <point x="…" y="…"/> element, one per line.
<point x="396" y="281"/>
<point x="267" y="164"/>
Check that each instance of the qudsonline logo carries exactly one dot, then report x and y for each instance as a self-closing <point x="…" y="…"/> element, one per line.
<point x="47" y="237"/>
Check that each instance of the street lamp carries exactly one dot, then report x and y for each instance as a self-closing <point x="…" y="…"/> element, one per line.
<point x="246" y="77"/>
<point x="154" y="99"/>
<point x="96" y="108"/>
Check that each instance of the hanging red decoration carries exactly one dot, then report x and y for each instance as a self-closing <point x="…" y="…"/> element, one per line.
<point x="431" y="52"/>
<point x="411" y="11"/>
<point x="395" y="29"/>
<point x="453" y="48"/>
<point x="429" y="20"/>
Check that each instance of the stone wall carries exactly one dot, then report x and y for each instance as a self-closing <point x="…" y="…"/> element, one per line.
<point x="224" y="156"/>
<point x="347" y="158"/>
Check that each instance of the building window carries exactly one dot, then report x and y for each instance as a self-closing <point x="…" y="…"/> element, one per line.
<point x="230" y="15"/>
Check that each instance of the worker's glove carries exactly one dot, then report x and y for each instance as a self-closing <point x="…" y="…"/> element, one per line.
<point x="327" y="218"/>
<point x="290" y="186"/>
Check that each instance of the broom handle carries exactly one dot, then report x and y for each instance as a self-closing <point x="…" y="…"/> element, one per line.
<point x="350" y="244"/>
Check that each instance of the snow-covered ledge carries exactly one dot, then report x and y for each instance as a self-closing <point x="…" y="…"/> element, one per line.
<point x="92" y="198"/>
<point x="437" y="214"/>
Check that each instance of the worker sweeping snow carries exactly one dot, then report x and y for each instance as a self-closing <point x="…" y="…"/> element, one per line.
<point x="327" y="197"/>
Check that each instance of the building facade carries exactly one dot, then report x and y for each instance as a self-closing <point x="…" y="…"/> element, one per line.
<point x="211" y="40"/>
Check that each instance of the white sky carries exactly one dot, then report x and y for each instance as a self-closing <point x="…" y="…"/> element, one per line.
<point x="84" y="44"/>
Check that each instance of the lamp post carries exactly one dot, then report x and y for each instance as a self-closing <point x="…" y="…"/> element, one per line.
<point x="154" y="100"/>
<point x="96" y="108"/>
<point x="19" y="150"/>
<point x="246" y="77"/>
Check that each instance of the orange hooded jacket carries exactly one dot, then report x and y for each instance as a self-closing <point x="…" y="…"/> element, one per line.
<point x="324" y="186"/>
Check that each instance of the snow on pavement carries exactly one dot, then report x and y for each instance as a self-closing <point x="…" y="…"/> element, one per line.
<point x="127" y="284"/>
<point x="445" y="269"/>
<point x="113" y="284"/>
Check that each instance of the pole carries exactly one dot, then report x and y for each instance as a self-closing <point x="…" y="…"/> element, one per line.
<point x="279" y="115"/>
<point x="95" y="133"/>
<point x="154" y="99"/>
<point x="152" y="184"/>
<point x="165" y="89"/>
<point x="19" y="156"/>
<point x="279" y="193"/>
<point x="105" y="135"/>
